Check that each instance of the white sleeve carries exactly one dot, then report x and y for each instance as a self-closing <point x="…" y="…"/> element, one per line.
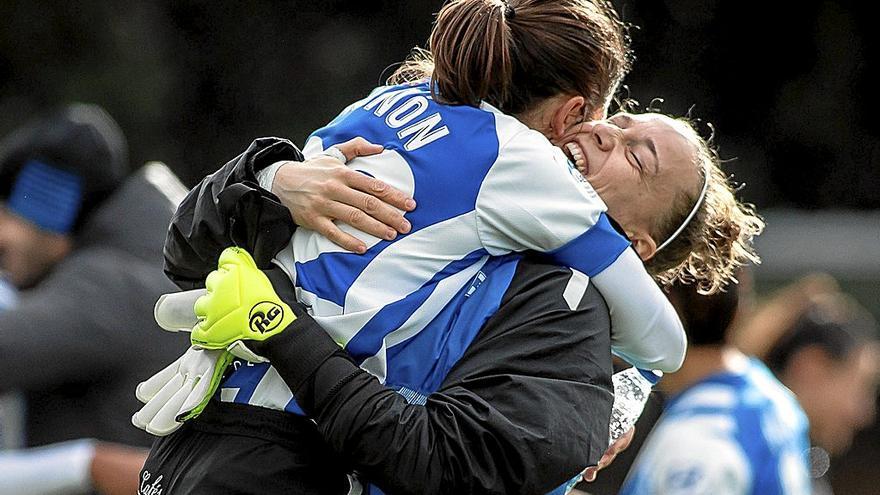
<point x="704" y="466"/>
<point x="645" y="329"/>
<point x="533" y="198"/>
<point x="51" y="469"/>
<point x="266" y="177"/>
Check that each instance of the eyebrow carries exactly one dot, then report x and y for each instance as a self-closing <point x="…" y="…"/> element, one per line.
<point x="649" y="142"/>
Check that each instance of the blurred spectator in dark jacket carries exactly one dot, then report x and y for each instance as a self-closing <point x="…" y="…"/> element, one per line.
<point x="823" y="346"/>
<point x="81" y="240"/>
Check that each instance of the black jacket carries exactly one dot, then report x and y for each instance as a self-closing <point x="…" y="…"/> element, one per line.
<point x="524" y="409"/>
<point x="79" y="342"/>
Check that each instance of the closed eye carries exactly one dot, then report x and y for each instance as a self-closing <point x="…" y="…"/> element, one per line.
<point x="638" y="162"/>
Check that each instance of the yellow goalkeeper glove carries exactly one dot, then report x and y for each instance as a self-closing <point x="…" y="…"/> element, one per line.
<point x="240" y="304"/>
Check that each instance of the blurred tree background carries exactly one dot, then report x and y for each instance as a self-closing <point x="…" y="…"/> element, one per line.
<point x="787" y="86"/>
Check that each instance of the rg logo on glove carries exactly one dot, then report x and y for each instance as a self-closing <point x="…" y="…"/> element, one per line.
<point x="265" y="316"/>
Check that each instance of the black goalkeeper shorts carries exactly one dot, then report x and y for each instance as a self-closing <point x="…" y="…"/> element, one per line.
<point x="240" y="449"/>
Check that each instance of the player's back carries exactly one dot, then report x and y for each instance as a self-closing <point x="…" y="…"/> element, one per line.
<point x="736" y="432"/>
<point x="440" y="155"/>
<point x="408" y="308"/>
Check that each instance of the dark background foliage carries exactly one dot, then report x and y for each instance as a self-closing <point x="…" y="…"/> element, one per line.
<point x="786" y="85"/>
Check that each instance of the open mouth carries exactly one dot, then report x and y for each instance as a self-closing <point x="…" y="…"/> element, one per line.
<point x="579" y="157"/>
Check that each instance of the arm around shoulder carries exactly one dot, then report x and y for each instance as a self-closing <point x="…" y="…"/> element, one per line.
<point x="228" y="208"/>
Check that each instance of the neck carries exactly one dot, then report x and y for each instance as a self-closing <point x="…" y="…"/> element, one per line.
<point x="536" y="120"/>
<point x="701" y="362"/>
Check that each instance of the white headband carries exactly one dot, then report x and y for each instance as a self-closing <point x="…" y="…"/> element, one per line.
<point x="692" y="213"/>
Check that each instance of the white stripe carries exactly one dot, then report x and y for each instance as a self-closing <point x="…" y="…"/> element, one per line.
<point x="443" y="293"/>
<point x="377" y="364"/>
<point x="533" y="198"/>
<point x="319" y="306"/>
<point x="342" y="328"/>
<point x="284" y="259"/>
<point x="575" y="289"/>
<point x="411" y="262"/>
<point x="314" y="146"/>
<point x="355" y="486"/>
<point x="228" y="394"/>
<point x="707" y="395"/>
<point x="271" y="392"/>
<point x="506" y="127"/>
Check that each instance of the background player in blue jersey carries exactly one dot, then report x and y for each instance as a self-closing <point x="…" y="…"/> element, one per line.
<point x="732" y="428"/>
<point x="823" y="346"/>
<point x="407" y="309"/>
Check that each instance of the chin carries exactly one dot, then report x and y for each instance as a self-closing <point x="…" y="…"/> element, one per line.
<point x="838" y="445"/>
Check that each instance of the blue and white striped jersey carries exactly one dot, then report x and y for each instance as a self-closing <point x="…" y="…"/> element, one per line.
<point x="487" y="187"/>
<point x="734" y="433"/>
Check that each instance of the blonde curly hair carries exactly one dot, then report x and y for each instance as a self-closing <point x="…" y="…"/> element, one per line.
<point x="718" y="239"/>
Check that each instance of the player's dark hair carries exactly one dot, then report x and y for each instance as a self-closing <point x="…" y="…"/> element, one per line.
<point x="513" y="54"/>
<point x="705" y="317"/>
<point x="834" y="323"/>
<point x="718" y="240"/>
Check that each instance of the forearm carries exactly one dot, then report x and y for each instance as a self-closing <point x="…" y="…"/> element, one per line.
<point x="645" y="329"/>
<point x="402" y="448"/>
<point x="115" y="469"/>
<point x="523" y="410"/>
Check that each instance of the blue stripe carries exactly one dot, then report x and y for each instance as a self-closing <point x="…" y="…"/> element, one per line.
<point x="757" y="419"/>
<point x="330" y="275"/>
<point x="592" y="251"/>
<point x="245" y="378"/>
<point x="293" y="407"/>
<point x="422" y="362"/>
<point x="448" y="172"/>
<point x="368" y="340"/>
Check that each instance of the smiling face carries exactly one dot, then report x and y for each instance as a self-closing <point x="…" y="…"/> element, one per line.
<point x="642" y="166"/>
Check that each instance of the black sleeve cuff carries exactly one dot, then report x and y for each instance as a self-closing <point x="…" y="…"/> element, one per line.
<point x="298" y="351"/>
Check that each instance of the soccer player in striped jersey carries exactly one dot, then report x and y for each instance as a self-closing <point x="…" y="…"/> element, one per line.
<point x="489" y="186"/>
<point x="731" y="427"/>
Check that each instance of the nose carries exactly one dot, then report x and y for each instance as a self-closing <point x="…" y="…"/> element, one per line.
<point x="606" y="136"/>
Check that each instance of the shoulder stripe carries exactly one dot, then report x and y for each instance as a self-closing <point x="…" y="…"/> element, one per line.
<point x="575" y="289"/>
<point x="594" y="250"/>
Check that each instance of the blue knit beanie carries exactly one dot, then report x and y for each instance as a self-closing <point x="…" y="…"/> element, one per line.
<point x="56" y="169"/>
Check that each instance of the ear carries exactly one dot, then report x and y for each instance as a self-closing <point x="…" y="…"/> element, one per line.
<point x="643" y="244"/>
<point x="569" y="113"/>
